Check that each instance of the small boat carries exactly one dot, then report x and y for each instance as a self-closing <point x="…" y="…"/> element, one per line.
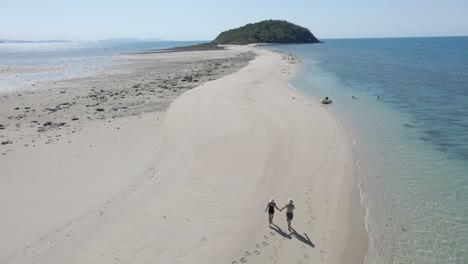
<point x="326" y="100"/>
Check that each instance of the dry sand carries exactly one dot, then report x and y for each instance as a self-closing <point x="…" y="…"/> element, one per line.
<point x="186" y="185"/>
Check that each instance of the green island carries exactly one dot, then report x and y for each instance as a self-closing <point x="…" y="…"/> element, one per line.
<point x="267" y="31"/>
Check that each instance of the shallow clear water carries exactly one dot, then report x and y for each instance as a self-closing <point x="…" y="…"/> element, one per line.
<point x="411" y="143"/>
<point x="23" y="64"/>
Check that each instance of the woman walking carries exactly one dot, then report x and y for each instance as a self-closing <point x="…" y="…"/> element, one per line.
<point x="271" y="209"/>
<point x="289" y="212"/>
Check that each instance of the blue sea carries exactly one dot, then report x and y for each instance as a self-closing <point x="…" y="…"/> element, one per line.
<point x="409" y="126"/>
<point x="23" y="64"/>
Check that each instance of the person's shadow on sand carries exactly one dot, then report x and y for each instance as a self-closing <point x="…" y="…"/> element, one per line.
<point x="304" y="239"/>
<point x="280" y="231"/>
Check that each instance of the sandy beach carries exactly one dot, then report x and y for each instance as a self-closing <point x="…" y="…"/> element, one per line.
<point x="172" y="159"/>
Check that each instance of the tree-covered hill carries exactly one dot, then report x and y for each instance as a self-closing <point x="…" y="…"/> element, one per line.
<point x="268" y="31"/>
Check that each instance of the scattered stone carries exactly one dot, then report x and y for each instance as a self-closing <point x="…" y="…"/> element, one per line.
<point x="75" y="118"/>
<point x="6" y="142"/>
<point x="100" y="109"/>
<point x="52" y="110"/>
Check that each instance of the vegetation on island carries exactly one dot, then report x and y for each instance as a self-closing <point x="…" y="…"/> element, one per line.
<point x="267" y="31"/>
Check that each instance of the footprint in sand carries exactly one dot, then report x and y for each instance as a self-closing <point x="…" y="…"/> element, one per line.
<point x="265" y="237"/>
<point x="275" y="251"/>
<point x="247" y="253"/>
<point x="234" y="262"/>
<point x="265" y="243"/>
<point x="257" y="245"/>
<point x="272" y="233"/>
<point x="243" y="260"/>
<point x="257" y="252"/>
<point x="306" y="255"/>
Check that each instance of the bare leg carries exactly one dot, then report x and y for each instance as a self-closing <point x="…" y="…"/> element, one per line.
<point x="289" y="224"/>
<point x="270" y="218"/>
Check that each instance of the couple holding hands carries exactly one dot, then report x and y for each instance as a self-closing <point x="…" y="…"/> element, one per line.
<point x="289" y="211"/>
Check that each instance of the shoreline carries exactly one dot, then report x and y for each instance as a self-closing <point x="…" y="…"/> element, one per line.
<point x="176" y="185"/>
<point x="353" y="213"/>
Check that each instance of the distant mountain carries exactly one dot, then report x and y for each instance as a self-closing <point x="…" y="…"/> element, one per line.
<point x="154" y="39"/>
<point x="267" y="31"/>
<point x="130" y="40"/>
<point x="33" y="41"/>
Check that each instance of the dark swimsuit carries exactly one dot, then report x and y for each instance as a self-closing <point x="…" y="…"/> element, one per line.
<point x="271" y="208"/>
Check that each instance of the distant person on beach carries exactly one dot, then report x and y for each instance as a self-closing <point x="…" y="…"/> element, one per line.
<point x="289" y="212"/>
<point x="271" y="209"/>
<point x="354" y="97"/>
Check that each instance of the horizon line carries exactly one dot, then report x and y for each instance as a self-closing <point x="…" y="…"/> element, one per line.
<point x="164" y="40"/>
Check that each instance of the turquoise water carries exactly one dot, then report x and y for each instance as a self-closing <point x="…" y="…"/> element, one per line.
<point x="409" y="126"/>
<point x="57" y="61"/>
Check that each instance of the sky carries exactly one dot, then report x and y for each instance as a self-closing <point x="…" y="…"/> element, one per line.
<point x="87" y="20"/>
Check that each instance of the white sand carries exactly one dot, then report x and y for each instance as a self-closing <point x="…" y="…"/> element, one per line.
<point x="191" y="186"/>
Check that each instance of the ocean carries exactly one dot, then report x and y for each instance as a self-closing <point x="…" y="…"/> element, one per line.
<point x="409" y="127"/>
<point x="24" y="64"/>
